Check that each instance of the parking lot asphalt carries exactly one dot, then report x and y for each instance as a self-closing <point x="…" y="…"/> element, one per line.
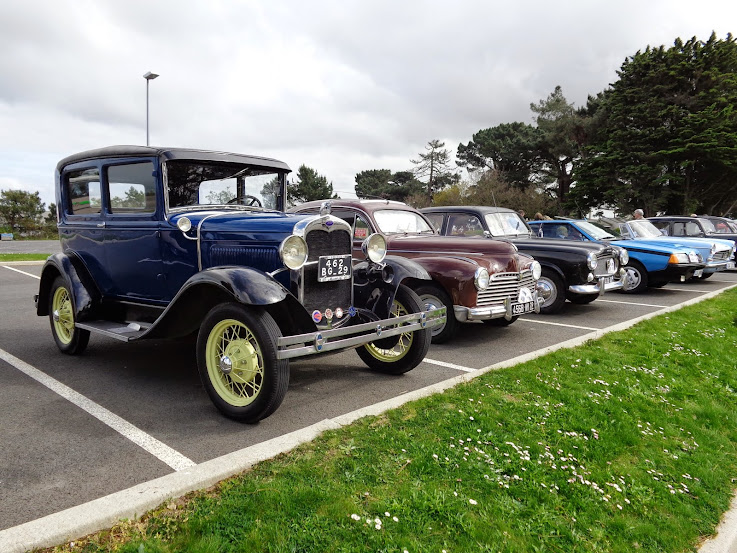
<point x="122" y="416"/>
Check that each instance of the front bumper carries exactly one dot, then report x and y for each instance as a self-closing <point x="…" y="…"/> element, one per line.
<point x="603" y="284"/>
<point x="506" y="310"/>
<point x="718" y="266"/>
<point x="301" y="345"/>
<point x="677" y="272"/>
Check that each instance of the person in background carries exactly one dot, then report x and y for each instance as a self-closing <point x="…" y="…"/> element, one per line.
<point x="539" y="216"/>
<point x="522" y="214"/>
<point x="639" y="214"/>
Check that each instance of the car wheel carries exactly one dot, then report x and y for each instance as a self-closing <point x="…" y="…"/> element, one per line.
<point x="635" y="278"/>
<point x="704" y="276"/>
<point x="500" y="321"/>
<point x="552" y="289"/>
<point x="402" y="353"/>
<point x="432" y="297"/>
<point x="657" y="283"/>
<point x="581" y="299"/>
<point x="236" y="359"/>
<point x="69" y="339"/>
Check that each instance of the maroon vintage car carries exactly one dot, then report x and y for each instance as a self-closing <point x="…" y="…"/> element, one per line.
<point x="476" y="280"/>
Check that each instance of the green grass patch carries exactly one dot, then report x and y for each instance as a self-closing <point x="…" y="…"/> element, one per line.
<point x="627" y="443"/>
<point x="7" y="257"/>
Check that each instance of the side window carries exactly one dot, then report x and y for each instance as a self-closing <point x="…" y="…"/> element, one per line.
<point x="361" y="230"/>
<point x="693" y="229"/>
<point x="561" y="231"/>
<point x="132" y="188"/>
<point x="436" y="219"/>
<point x="464" y="225"/>
<point x="83" y="191"/>
<point x="662" y="226"/>
<point x="679" y="229"/>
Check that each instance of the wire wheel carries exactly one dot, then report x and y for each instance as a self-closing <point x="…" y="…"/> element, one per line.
<point x="234" y="362"/>
<point x="62" y="315"/>
<point x="402" y="344"/>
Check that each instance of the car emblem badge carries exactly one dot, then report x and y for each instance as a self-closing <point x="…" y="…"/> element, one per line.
<point x="316" y="316"/>
<point x="328" y="223"/>
<point x="352" y="311"/>
<point x="339" y="313"/>
<point x="328" y="313"/>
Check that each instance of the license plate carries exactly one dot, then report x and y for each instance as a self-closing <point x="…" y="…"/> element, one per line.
<point x="333" y="267"/>
<point x="730" y="265"/>
<point x="606" y="280"/>
<point x="520" y="308"/>
<point x="698" y="272"/>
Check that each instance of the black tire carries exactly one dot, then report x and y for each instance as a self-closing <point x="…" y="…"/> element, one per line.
<point x="69" y="339"/>
<point x="432" y="297"/>
<point x="657" y="283"/>
<point x="704" y="276"/>
<point x="581" y="299"/>
<point x="500" y="322"/>
<point x="402" y="353"/>
<point x="553" y="291"/>
<point x="635" y="278"/>
<point x="236" y="359"/>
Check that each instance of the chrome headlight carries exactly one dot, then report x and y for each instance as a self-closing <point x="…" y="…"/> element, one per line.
<point x="374" y="247"/>
<point x="481" y="279"/>
<point x="694" y="257"/>
<point x="624" y="257"/>
<point x="293" y="251"/>
<point x="591" y="260"/>
<point x="184" y="224"/>
<point x="537" y="270"/>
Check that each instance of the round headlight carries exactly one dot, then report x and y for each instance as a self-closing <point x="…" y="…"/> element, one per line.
<point x="537" y="270"/>
<point x="293" y="251"/>
<point x="624" y="257"/>
<point x="374" y="247"/>
<point x="184" y="224"/>
<point x="481" y="279"/>
<point x="591" y="260"/>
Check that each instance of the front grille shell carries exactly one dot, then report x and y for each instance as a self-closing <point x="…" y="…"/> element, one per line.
<point x="505" y="285"/>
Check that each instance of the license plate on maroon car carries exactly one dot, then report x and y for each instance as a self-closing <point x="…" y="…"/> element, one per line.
<point x="520" y="308"/>
<point x="333" y="267"/>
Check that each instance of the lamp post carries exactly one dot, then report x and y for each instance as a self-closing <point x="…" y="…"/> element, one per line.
<point x="149" y="77"/>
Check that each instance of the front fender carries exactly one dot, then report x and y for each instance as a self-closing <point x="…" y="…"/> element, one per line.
<point x="86" y="295"/>
<point x="375" y="284"/>
<point x="223" y="284"/>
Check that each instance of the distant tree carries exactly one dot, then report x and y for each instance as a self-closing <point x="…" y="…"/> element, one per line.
<point x="220" y="197"/>
<point x="434" y="165"/>
<point x="310" y="186"/>
<point x="21" y="210"/>
<point x="491" y="188"/>
<point x="270" y="192"/>
<point x="382" y="183"/>
<point x="668" y="134"/>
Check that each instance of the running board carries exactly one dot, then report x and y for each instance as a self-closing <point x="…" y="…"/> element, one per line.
<point x="119" y="331"/>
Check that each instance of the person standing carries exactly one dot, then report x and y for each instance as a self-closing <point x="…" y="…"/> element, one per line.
<point x="639" y="214"/>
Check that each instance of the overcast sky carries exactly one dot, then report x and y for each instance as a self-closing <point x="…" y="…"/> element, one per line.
<point x="341" y="86"/>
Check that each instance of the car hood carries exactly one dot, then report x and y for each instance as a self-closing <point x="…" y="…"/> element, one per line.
<point x="257" y="224"/>
<point x="655" y="245"/>
<point x="696" y="243"/>
<point x="554" y="244"/>
<point x="449" y="245"/>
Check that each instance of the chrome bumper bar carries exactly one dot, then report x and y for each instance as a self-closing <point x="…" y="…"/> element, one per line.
<point x="300" y="345"/>
<point x="463" y="313"/>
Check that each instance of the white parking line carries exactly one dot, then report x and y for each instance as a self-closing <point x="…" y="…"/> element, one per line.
<point x="669" y="289"/>
<point x="631" y="303"/>
<point x="557" y="324"/>
<point x="158" y="449"/>
<point x="448" y="365"/>
<point x="21" y="272"/>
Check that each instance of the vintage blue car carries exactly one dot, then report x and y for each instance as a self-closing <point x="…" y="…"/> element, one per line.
<point x="650" y="263"/>
<point x="173" y="242"/>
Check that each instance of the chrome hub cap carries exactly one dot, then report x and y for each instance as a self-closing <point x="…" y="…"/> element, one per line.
<point x="56" y="316"/>
<point x="225" y="364"/>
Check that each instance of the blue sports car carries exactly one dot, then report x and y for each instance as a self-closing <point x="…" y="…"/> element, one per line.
<point x="652" y="262"/>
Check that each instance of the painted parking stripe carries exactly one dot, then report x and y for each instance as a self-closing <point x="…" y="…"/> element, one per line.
<point x="630" y="303"/>
<point x="669" y="289"/>
<point x="161" y="451"/>
<point x="448" y="365"/>
<point x="557" y="324"/>
<point x="21" y="272"/>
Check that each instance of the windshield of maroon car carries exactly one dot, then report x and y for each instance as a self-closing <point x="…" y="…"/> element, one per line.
<point x="597" y="233"/>
<point x="397" y="221"/>
<point x="200" y="184"/>
<point x="506" y="224"/>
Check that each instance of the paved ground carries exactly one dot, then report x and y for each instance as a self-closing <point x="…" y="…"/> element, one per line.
<point x="30" y="246"/>
<point x="75" y="429"/>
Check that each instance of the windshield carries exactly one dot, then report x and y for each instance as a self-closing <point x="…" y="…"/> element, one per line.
<point x="506" y="224"/>
<point x="596" y="232"/>
<point x="723" y="226"/>
<point x="192" y="184"/>
<point x="707" y="225"/>
<point x="643" y="229"/>
<point x="396" y="221"/>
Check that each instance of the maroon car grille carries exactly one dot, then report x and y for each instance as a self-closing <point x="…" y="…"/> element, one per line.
<point x="504" y="285"/>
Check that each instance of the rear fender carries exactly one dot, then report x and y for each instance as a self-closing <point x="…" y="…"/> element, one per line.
<point x="82" y="286"/>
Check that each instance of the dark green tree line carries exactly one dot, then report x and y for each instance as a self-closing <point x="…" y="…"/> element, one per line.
<point x="309" y="186"/>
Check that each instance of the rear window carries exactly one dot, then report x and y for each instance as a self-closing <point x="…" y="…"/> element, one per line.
<point x="83" y="191"/>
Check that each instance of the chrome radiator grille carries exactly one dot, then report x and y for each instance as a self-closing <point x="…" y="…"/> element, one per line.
<point x="606" y="265"/>
<point x="321" y="295"/>
<point x="721" y="255"/>
<point x="504" y="285"/>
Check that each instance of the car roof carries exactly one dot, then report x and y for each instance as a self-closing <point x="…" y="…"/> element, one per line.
<point x="468" y="209"/>
<point x="364" y="204"/>
<point x="171" y="154"/>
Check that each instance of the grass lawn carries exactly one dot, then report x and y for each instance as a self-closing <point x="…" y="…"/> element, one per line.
<point x="6" y="257"/>
<point x="628" y="443"/>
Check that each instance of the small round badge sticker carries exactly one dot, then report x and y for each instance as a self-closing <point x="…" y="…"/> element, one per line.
<point x="316" y="316"/>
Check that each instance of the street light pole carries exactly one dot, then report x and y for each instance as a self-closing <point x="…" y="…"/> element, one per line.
<point x="149" y="77"/>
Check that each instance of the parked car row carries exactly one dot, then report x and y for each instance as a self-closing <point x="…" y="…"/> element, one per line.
<point x="178" y="243"/>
